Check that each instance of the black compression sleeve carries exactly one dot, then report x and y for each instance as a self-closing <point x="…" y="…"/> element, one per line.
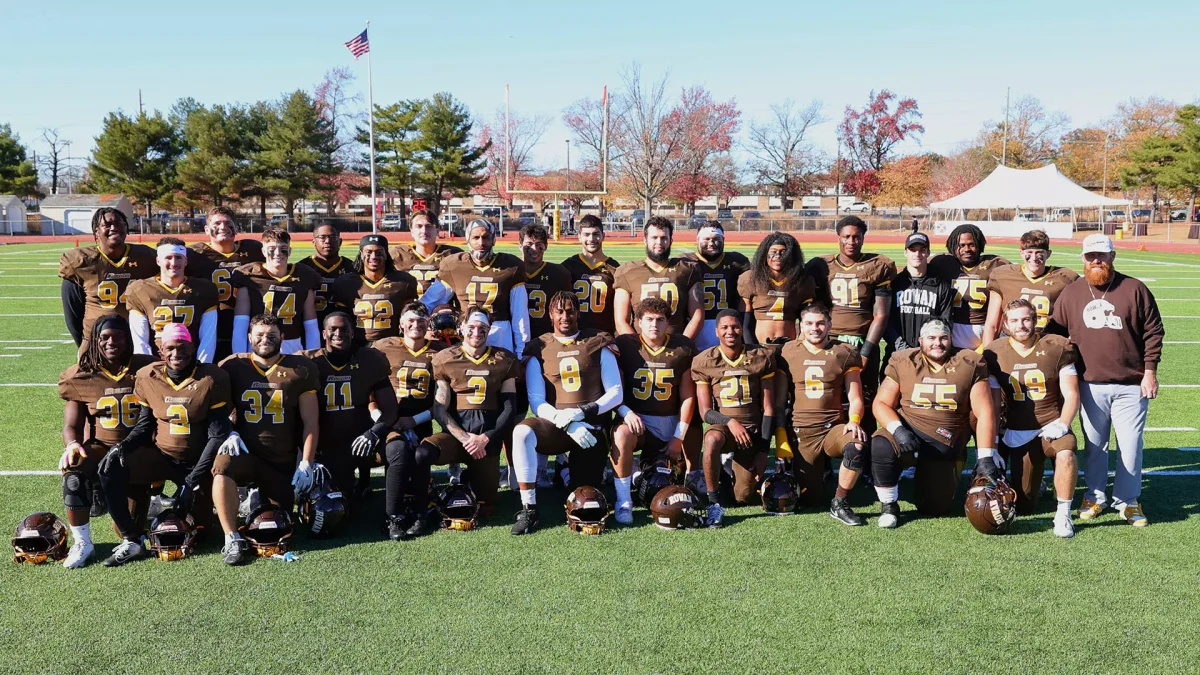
<point x="73" y="301"/>
<point x="508" y="413"/>
<point x="142" y="432"/>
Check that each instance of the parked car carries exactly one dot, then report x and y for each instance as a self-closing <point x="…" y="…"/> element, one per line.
<point x="697" y="221"/>
<point x="810" y="213"/>
<point x="1142" y="213"/>
<point x="279" y="220"/>
<point x="1028" y="217"/>
<point x="638" y="217"/>
<point x="449" y="220"/>
<point x="393" y="221"/>
<point x="1060" y="215"/>
<point x="858" y="207"/>
<point x="1179" y="214"/>
<point x="528" y="218"/>
<point x="750" y="219"/>
<point x="1111" y="215"/>
<point x="724" y="216"/>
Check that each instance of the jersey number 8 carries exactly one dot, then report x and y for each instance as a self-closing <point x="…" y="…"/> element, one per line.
<point x="568" y="370"/>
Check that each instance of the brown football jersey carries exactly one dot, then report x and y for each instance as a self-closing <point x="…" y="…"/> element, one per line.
<point x="541" y="285"/>
<point x="268" y="403"/>
<point x="104" y="280"/>
<point x="344" y="395"/>
<point x="651" y="377"/>
<point x="329" y="275"/>
<point x="206" y="261"/>
<point x="719" y="281"/>
<point x="182" y="409"/>
<point x="775" y="303"/>
<point x="818" y="377"/>
<point x="475" y="382"/>
<point x="161" y="304"/>
<point x="672" y="283"/>
<point x="853" y="289"/>
<point x="571" y="367"/>
<point x="1030" y="379"/>
<point x="282" y="296"/>
<point x="411" y="373"/>
<point x="108" y="396"/>
<point x="375" y="305"/>
<point x="424" y="269"/>
<point x="970" y="285"/>
<point x="736" y="384"/>
<point x="936" y="400"/>
<point x="488" y="286"/>
<point x="593" y="285"/>
<point x="1012" y="281"/>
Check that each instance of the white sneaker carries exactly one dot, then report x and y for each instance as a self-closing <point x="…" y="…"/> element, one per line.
<point x="455" y="471"/>
<point x="624" y="513"/>
<point x="1063" y="527"/>
<point x="80" y="553"/>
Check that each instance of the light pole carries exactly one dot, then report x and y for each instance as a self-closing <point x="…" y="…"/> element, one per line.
<point x="568" y="165"/>
<point x="68" y="171"/>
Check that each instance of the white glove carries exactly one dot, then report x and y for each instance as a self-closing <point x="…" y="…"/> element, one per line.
<point x="564" y="418"/>
<point x="1054" y="431"/>
<point x="233" y="445"/>
<point x="303" y="478"/>
<point x="581" y="434"/>
<point x="69" y="455"/>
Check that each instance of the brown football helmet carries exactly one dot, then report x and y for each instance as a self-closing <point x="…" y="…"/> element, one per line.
<point x="587" y="509"/>
<point x="676" y="507"/>
<point x="40" y="537"/>
<point x="779" y="494"/>
<point x="991" y="505"/>
<point x="172" y="536"/>
<point x="459" y="507"/>
<point x="268" y="530"/>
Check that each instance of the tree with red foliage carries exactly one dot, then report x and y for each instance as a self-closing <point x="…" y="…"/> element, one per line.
<point x="871" y="134"/>
<point x="708" y="128"/>
<point x="863" y="184"/>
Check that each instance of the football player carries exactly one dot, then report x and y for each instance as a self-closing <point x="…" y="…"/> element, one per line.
<point x="774" y="289"/>
<point x="592" y="274"/>
<point x="183" y="421"/>
<point x="586" y="379"/>
<point x="411" y="360"/>
<point x="1035" y="281"/>
<point x="920" y="295"/>
<point x="353" y="381"/>
<point x="924" y="406"/>
<point x="279" y="289"/>
<point x="822" y="370"/>
<point x="423" y="258"/>
<point x="475" y="404"/>
<point x="543" y="279"/>
<point x="492" y="281"/>
<point x="328" y="262"/>
<point x="173" y="297"/>
<point x="969" y="270"/>
<point x="99" y="387"/>
<point x="719" y="273"/>
<point x="675" y="280"/>
<point x="1037" y="376"/>
<point x="216" y="260"/>
<point x="375" y="291"/>
<point x="858" y="287"/>
<point x="95" y="277"/>
<point x="659" y="401"/>
<point x="275" y="396"/>
<point x="737" y="400"/>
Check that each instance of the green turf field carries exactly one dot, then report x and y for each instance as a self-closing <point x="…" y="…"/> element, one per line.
<point x="765" y="594"/>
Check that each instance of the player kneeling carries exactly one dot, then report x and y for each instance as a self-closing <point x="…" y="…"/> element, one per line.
<point x="925" y="405"/>
<point x="736" y="398"/>
<point x="583" y="370"/>
<point x="183" y="421"/>
<point x="475" y="403"/>
<point x="1041" y="395"/>
<point x="659" y="401"/>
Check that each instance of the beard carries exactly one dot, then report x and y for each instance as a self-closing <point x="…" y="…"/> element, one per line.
<point x="267" y="351"/>
<point x="714" y="255"/>
<point x="1099" y="276"/>
<point x="480" y="256"/>
<point x="660" y="259"/>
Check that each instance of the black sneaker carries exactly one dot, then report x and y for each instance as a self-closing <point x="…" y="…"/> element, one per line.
<point x="841" y="511"/>
<point x="425" y="525"/>
<point x="126" y="551"/>
<point x="889" y="515"/>
<point x="396" y="526"/>
<point x="99" y="502"/>
<point x="527" y="520"/>
<point x="235" y="551"/>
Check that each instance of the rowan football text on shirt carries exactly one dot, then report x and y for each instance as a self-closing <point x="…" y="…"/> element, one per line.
<point x="818" y="376"/>
<point x="282" y="296"/>
<point x="853" y="289"/>
<point x="736" y="384"/>
<point x="475" y="381"/>
<point x="671" y="282"/>
<point x="541" y="284"/>
<point x="268" y="403"/>
<point x="160" y="304"/>
<point x="108" y="396"/>
<point x="1030" y="378"/>
<point x="774" y="302"/>
<point x="411" y="373"/>
<point x="328" y="275"/>
<point x="1012" y="281"/>
<point x="594" y="286"/>
<point x="935" y="399"/>
<point x="423" y="268"/>
<point x="376" y="305"/>
<point x="651" y="377"/>
<point x="344" y="394"/>
<point x="105" y="280"/>
<point x="487" y="286"/>
<point x="970" y="285"/>
<point x="184" y="408"/>
<point x="572" y="367"/>
<point x="206" y="261"/>
<point x="719" y="281"/>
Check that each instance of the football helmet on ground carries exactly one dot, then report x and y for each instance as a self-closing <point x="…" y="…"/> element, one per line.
<point x="676" y="507"/>
<point x="172" y="536"/>
<point x="40" y="537"/>
<point x="323" y="508"/>
<point x="459" y="507"/>
<point x="587" y="509"/>
<point x="991" y="504"/>
<point x="268" y="530"/>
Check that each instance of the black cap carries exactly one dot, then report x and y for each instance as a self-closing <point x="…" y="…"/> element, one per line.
<point x="373" y="240"/>
<point x="917" y="238"/>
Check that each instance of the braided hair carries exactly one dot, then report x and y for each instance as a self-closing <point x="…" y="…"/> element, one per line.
<point x="389" y="265"/>
<point x="793" y="262"/>
<point x="965" y="228"/>
<point x="91" y="358"/>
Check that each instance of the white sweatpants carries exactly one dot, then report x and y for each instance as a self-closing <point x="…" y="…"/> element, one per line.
<point x="1120" y="408"/>
<point x="966" y="335"/>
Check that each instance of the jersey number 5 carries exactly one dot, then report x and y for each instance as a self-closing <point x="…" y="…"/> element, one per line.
<point x="654" y="382"/>
<point x="935" y="396"/>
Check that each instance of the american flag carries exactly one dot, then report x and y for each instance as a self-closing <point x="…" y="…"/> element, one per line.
<point x="359" y="45"/>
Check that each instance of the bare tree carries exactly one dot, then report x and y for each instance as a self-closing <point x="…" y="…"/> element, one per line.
<point x="1033" y="134"/>
<point x="654" y="138"/>
<point x="53" y="162"/>
<point x="782" y="156"/>
<point x="522" y="134"/>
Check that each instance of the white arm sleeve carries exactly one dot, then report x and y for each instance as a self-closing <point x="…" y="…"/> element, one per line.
<point x="535" y="386"/>
<point x="241" y="334"/>
<point x="518" y="300"/>
<point x="610" y="375"/>
<point x="438" y="293"/>
<point x="312" y="334"/>
<point x="1067" y="370"/>
<point x="208" y="336"/>
<point x="139" y="326"/>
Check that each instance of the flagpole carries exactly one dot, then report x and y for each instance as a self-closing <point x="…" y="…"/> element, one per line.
<point x="371" y="131"/>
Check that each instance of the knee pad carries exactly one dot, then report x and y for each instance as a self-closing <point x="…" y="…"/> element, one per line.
<point x="77" y="491"/>
<point x="852" y="456"/>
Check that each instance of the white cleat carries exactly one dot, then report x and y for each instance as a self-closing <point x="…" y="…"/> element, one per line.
<point x="78" y="556"/>
<point x="1063" y="527"/>
<point x="624" y="513"/>
<point x="889" y="516"/>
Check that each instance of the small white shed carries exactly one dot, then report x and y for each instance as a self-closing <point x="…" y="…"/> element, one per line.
<point x="72" y="214"/>
<point x="12" y="214"/>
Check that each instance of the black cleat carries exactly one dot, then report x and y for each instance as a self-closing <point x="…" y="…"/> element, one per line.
<point x="839" y="510"/>
<point x="126" y="551"/>
<point x="424" y="525"/>
<point x="396" y="526"/>
<point x="99" y="502"/>
<point x="889" y="515"/>
<point x="527" y="520"/>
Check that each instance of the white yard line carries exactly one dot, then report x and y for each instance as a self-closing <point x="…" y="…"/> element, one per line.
<point x="1179" y="386"/>
<point x="30" y="297"/>
<point x="1180" y="316"/>
<point x="58" y="342"/>
<point x="11" y="356"/>
<point x="28" y="348"/>
<point x="25" y="384"/>
<point x="1170" y="428"/>
<point x="58" y="315"/>
<point x="1181" y="342"/>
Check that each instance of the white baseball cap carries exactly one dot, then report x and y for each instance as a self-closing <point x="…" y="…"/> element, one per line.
<point x="1097" y="243"/>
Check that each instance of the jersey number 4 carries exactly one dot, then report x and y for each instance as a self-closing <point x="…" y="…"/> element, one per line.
<point x="274" y="406"/>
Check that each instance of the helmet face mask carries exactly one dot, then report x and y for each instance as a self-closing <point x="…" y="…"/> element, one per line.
<point x="459" y="508"/>
<point x="324" y="509"/>
<point x="676" y="507"/>
<point x="587" y="509"/>
<point x="268" y="530"/>
<point x="40" y="537"/>
<point x="653" y="477"/>
<point x="172" y="537"/>
<point x="780" y="494"/>
<point x="991" y="505"/>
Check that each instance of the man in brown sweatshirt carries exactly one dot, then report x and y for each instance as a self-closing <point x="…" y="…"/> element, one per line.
<point x="1114" y="323"/>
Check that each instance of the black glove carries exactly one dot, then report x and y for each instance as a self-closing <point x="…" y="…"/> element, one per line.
<point x="768" y="428"/>
<point x="365" y="444"/>
<point x="987" y="467"/>
<point x="115" y="459"/>
<point x="183" y="498"/>
<point x="907" y="440"/>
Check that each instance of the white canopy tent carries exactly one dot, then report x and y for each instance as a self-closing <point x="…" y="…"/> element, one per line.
<point x="1021" y="189"/>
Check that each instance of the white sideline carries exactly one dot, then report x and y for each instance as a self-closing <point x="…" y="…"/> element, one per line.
<point x="30" y="297"/>
<point x="1170" y="428"/>
<point x="58" y="315"/>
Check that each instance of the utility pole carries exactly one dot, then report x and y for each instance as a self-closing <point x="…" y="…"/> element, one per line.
<point x="1104" y="185"/>
<point x="1004" y="150"/>
<point x="141" y="110"/>
<point x="67" y="173"/>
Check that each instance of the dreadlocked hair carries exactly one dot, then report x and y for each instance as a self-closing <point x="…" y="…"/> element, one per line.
<point x="91" y="358"/>
<point x="965" y="228"/>
<point x="793" y="262"/>
<point x="389" y="265"/>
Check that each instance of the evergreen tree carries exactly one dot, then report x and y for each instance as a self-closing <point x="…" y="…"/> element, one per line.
<point x="136" y="156"/>
<point x="448" y="161"/>
<point x="296" y="150"/>
<point x="395" y="147"/>
<point x="17" y="175"/>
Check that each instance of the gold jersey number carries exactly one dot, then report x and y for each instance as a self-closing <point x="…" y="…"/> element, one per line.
<point x="412" y="382"/>
<point x="734" y="391"/>
<point x="568" y="371"/>
<point x="1033" y="387"/>
<point x="935" y="396"/>
<point x="667" y="291"/>
<point x="112" y="412"/>
<point x="374" y="315"/>
<point x="286" y="310"/>
<point x="655" y="382"/>
<point x="593" y="295"/>
<point x="273" y="407"/>
<point x="971" y="290"/>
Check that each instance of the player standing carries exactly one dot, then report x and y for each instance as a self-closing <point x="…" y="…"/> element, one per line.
<point x="719" y="272"/>
<point x="279" y="289"/>
<point x="1035" y="281"/>
<point x="375" y="292"/>
<point x="774" y="289"/>
<point x="423" y="258"/>
<point x="173" y="297"/>
<point x="592" y="277"/>
<point x="543" y="279"/>
<point x="969" y="270"/>
<point x="216" y="260"/>
<point x="659" y="275"/>
<point x="328" y="262"/>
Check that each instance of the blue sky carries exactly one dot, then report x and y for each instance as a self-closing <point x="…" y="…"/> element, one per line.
<point x="79" y="60"/>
